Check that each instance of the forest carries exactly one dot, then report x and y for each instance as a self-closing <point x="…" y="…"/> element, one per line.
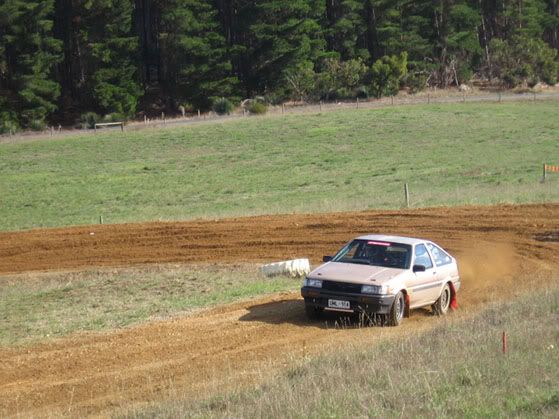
<point x="119" y="59"/>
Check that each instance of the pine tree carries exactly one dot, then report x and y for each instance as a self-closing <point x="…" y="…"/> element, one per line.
<point x="551" y="30"/>
<point x="100" y="55"/>
<point x="462" y="41"/>
<point x="113" y="55"/>
<point x="286" y="35"/>
<point x="195" y="65"/>
<point x="346" y="31"/>
<point x="28" y="54"/>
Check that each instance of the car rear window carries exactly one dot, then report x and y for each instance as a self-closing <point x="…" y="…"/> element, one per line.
<point x="439" y="255"/>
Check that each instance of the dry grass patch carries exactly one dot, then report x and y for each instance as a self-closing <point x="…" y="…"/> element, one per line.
<point x="456" y="369"/>
<point x="39" y="306"/>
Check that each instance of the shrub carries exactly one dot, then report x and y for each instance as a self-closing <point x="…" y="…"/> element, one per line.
<point x="362" y="92"/>
<point x="416" y="82"/>
<point x="114" y="117"/>
<point x="8" y="121"/>
<point x="523" y="60"/>
<point x="257" y="108"/>
<point x="387" y="74"/>
<point x="8" y="126"/>
<point x="223" y="106"/>
<point x="89" y="119"/>
<point x="339" y="79"/>
<point x="37" y="125"/>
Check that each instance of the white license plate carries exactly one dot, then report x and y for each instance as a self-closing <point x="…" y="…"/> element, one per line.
<point x="338" y="304"/>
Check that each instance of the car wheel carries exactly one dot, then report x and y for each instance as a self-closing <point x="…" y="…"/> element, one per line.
<point x="313" y="312"/>
<point x="397" y="310"/>
<point x="440" y="308"/>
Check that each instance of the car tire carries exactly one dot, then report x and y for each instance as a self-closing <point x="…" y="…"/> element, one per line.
<point x="313" y="312"/>
<point x="397" y="310"/>
<point x="441" y="306"/>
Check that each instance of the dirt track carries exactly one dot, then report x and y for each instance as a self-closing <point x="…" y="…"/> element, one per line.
<point x="212" y="351"/>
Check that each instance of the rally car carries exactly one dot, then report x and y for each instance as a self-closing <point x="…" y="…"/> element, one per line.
<point x="384" y="276"/>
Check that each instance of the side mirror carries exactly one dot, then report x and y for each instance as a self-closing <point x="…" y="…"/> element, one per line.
<point x="327" y="258"/>
<point x="418" y="268"/>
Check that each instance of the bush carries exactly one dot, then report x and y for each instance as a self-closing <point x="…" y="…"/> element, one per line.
<point x="37" y="125"/>
<point x="362" y="92"/>
<point x="89" y="119"/>
<point x="339" y="79"/>
<point x="8" y="126"/>
<point x="8" y="121"/>
<point x="416" y="82"/>
<point x="523" y="61"/>
<point x="387" y="73"/>
<point x="223" y="106"/>
<point x="257" y="108"/>
<point x="114" y="117"/>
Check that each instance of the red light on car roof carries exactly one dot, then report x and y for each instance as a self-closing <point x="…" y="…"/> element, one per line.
<point x="379" y="243"/>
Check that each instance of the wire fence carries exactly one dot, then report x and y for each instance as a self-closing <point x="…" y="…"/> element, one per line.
<point x="294" y="108"/>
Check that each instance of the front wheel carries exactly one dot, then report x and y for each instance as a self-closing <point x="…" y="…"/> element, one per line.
<point x="440" y="308"/>
<point x="397" y="310"/>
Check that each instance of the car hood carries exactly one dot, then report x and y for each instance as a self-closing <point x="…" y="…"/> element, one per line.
<point x="356" y="273"/>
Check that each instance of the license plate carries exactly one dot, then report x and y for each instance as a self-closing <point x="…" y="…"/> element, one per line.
<point x="338" y="304"/>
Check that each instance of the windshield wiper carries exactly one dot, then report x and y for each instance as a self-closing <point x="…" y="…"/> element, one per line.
<point x="358" y="261"/>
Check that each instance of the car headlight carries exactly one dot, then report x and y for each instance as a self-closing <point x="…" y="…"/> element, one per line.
<point x="374" y="289"/>
<point x="316" y="283"/>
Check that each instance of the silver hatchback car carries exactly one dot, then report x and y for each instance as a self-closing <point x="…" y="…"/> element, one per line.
<point x="383" y="275"/>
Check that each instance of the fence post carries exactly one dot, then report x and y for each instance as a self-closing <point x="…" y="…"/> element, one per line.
<point x="463" y="97"/>
<point x="504" y="341"/>
<point x="357" y="103"/>
<point x="100" y="219"/>
<point x="428" y="98"/>
<point x="499" y="97"/>
<point x="282" y="108"/>
<point x="198" y="113"/>
<point x="392" y="100"/>
<point x="320" y="106"/>
<point x="407" y="194"/>
<point x="543" y="177"/>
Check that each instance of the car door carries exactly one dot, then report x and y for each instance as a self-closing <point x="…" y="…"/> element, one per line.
<point x="444" y="268"/>
<point x="421" y="284"/>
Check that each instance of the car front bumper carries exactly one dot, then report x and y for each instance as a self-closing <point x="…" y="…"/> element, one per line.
<point x="378" y="304"/>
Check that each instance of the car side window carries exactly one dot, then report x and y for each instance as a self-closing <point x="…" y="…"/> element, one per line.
<point x="440" y="256"/>
<point x="422" y="257"/>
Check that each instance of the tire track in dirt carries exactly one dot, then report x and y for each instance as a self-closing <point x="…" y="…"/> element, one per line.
<point x="219" y="349"/>
<point x="264" y="238"/>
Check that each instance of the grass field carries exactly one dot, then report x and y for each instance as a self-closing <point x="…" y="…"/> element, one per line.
<point x="37" y="307"/>
<point x="456" y="369"/>
<point x="449" y="154"/>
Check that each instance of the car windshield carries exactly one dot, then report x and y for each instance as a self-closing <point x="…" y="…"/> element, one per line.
<point x="376" y="253"/>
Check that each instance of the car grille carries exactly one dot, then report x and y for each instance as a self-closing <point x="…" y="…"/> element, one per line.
<point x="341" y="287"/>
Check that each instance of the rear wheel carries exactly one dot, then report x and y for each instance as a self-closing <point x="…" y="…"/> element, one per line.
<point x="440" y="308"/>
<point x="397" y="310"/>
<point x="313" y="312"/>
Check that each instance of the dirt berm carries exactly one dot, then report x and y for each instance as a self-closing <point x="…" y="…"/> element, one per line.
<point x="502" y="251"/>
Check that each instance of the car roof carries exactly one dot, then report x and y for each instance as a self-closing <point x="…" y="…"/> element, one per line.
<point x="392" y="239"/>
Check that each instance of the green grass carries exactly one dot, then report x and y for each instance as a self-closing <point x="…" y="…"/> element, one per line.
<point x="454" y="370"/>
<point x="35" y="307"/>
<point x="355" y="159"/>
